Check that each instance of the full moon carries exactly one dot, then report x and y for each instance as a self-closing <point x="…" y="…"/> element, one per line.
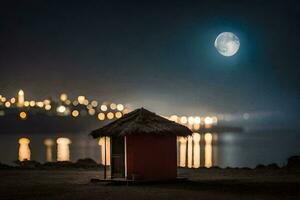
<point x="227" y="44"/>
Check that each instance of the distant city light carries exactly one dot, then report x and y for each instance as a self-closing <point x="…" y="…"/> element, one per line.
<point x="103" y="112"/>
<point x="23" y="115"/>
<point x="13" y="100"/>
<point x="63" y="97"/>
<point x="40" y="104"/>
<point x="118" y="115"/>
<point x="47" y="101"/>
<point x="26" y="103"/>
<point x="21" y="98"/>
<point x="86" y="102"/>
<point x="47" y="107"/>
<point x="110" y="115"/>
<point x="81" y="99"/>
<point x="21" y="92"/>
<point x="92" y="111"/>
<point x="89" y="106"/>
<point x="94" y="103"/>
<point x="75" y="103"/>
<point x="7" y="104"/>
<point x="103" y="107"/>
<point x="208" y="120"/>
<point x="191" y="120"/>
<point x="214" y="120"/>
<point x="101" y="116"/>
<point x="120" y="107"/>
<point x="197" y="120"/>
<point x="183" y="120"/>
<point x="61" y="109"/>
<point x="32" y="103"/>
<point x="75" y="113"/>
<point x="68" y="102"/>
<point x="174" y="118"/>
<point x="113" y="106"/>
<point x="126" y="110"/>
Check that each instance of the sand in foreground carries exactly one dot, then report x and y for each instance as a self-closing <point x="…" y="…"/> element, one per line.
<point x="204" y="184"/>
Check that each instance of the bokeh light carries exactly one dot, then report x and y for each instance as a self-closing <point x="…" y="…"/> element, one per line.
<point x="23" y="115"/>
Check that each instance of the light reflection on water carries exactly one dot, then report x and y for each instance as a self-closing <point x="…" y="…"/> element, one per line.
<point x="182" y="151"/>
<point x="208" y="150"/>
<point x="196" y="152"/>
<point x="227" y="149"/>
<point x="63" y="149"/>
<point x="102" y="143"/>
<point x="24" y="150"/>
<point x="49" y="144"/>
<point x="190" y="150"/>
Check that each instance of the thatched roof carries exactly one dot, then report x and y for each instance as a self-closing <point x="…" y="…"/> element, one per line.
<point x="141" y="121"/>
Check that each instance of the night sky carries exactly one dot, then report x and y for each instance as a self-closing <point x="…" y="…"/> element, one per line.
<point x="160" y="55"/>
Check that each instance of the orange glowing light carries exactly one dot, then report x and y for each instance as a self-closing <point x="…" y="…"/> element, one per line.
<point x="101" y="116"/>
<point x="75" y="113"/>
<point x="81" y="99"/>
<point x="47" y="101"/>
<point x="118" y="115"/>
<point x="47" y="107"/>
<point x="24" y="150"/>
<point x="32" y="103"/>
<point x="110" y="115"/>
<point x="63" y="97"/>
<point x="86" y="102"/>
<point x="40" y="104"/>
<point x="13" y="100"/>
<point x="26" y="103"/>
<point x="23" y="115"/>
<point x="7" y="104"/>
<point x="63" y="149"/>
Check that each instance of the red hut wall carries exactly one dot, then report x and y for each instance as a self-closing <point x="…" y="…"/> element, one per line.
<point x="151" y="157"/>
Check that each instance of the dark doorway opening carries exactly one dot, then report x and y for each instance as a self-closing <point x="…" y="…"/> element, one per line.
<point x="117" y="158"/>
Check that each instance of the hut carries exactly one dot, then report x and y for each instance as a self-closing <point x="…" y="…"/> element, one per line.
<point x="143" y="146"/>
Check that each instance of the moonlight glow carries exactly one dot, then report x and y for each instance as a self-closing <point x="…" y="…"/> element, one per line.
<point x="227" y="44"/>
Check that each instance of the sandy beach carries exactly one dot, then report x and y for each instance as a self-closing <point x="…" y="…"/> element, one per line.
<point x="201" y="184"/>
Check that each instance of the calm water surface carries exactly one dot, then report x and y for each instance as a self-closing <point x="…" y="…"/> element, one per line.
<point x="211" y="149"/>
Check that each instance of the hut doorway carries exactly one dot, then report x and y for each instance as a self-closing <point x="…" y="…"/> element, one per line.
<point x="117" y="158"/>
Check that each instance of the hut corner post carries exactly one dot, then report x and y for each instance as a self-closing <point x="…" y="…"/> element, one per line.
<point x="104" y="157"/>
